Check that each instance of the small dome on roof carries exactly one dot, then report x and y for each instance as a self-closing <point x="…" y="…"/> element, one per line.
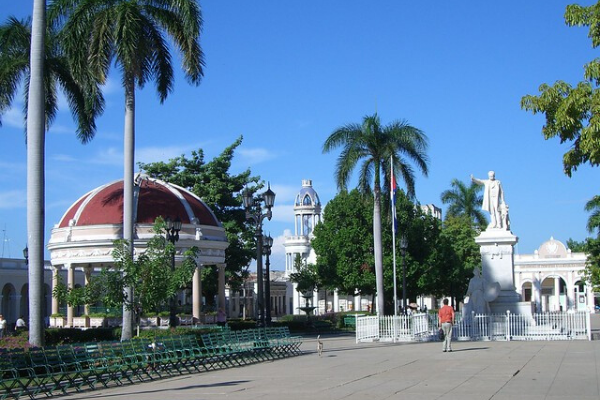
<point x="552" y="249"/>
<point x="307" y="195"/>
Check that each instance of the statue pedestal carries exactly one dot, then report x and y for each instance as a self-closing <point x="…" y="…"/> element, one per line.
<point x="497" y="259"/>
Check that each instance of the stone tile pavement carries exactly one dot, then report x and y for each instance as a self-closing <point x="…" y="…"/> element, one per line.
<point x="417" y="371"/>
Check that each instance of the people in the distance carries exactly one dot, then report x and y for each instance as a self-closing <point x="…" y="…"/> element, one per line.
<point x="2" y="326"/>
<point x="20" y="323"/>
<point x="221" y="317"/>
<point x="445" y="321"/>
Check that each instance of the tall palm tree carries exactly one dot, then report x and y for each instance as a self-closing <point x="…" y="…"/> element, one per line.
<point x="132" y="33"/>
<point x="35" y="173"/>
<point x="465" y="200"/>
<point x="593" y="206"/>
<point x="374" y="144"/>
<point x="83" y="94"/>
<point x="31" y="53"/>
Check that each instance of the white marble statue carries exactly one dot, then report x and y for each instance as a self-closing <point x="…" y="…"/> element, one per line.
<point x="476" y="293"/>
<point x="493" y="201"/>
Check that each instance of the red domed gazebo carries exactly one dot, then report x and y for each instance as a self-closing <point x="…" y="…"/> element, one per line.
<point x="85" y="234"/>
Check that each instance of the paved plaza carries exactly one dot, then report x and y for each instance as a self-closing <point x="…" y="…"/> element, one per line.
<point x="346" y="370"/>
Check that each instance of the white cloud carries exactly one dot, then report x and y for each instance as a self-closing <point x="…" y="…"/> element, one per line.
<point x="285" y="193"/>
<point x="256" y="155"/>
<point x="10" y="169"/>
<point x="283" y="213"/>
<point x="13" y="199"/>
<point x="109" y="156"/>
<point x="154" y="154"/>
<point x="61" y="129"/>
<point x="62" y="102"/>
<point x="14" y="117"/>
<point x="111" y="86"/>
<point x="63" y="158"/>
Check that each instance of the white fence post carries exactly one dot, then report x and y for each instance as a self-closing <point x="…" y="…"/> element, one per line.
<point x="507" y="328"/>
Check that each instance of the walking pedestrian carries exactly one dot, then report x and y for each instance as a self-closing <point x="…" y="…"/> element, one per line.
<point x="445" y="321"/>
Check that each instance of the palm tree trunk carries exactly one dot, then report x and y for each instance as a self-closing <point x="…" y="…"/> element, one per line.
<point x="35" y="175"/>
<point x="128" y="217"/>
<point x="377" y="244"/>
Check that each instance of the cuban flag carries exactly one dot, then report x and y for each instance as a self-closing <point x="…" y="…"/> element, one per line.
<point x="393" y="190"/>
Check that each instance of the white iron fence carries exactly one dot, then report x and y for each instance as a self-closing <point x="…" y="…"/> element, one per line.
<point x="509" y="326"/>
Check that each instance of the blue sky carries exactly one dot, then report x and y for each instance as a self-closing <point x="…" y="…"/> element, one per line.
<point x="286" y="74"/>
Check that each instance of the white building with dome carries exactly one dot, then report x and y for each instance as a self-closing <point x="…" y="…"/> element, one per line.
<point x="307" y="214"/>
<point x="553" y="278"/>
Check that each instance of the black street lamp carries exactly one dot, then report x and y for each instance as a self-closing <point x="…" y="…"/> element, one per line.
<point x="26" y="254"/>
<point x="256" y="213"/>
<point x="173" y="228"/>
<point x="403" y="247"/>
<point x="267" y="244"/>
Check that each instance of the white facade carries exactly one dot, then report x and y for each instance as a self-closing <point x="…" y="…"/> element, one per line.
<point x="307" y="211"/>
<point x="14" y="297"/>
<point x="553" y="278"/>
<point x="307" y="214"/>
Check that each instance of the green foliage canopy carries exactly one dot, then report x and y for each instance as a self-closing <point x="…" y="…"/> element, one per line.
<point x="150" y="275"/>
<point x="343" y="244"/>
<point x="572" y="111"/>
<point x="220" y="190"/>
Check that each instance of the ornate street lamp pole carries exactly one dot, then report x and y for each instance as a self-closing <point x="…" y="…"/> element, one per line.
<point x="267" y="244"/>
<point x="254" y="212"/>
<point x="403" y="247"/>
<point x="173" y="228"/>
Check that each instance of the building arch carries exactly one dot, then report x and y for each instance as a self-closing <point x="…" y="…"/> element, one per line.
<point x="8" y="302"/>
<point x="554" y="293"/>
<point x="24" y="302"/>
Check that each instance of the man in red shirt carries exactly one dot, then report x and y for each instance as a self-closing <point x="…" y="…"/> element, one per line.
<point x="446" y="320"/>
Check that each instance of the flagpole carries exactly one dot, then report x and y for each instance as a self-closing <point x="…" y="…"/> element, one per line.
<point x="393" y="204"/>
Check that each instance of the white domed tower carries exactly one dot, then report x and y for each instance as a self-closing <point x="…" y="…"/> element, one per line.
<point x="307" y="211"/>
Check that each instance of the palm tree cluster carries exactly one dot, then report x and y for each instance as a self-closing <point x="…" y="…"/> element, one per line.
<point x="375" y="145"/>
<point x="464" y="200"/>
<point x="74" y="49"/>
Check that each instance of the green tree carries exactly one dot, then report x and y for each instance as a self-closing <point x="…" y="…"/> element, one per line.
<point x="32" y="53"/>
<point x="84" y="96"/>
<point x="460" y="234"/>
<point x="429" y="257"/>
<point x="592" y="245"/>
<point x="576" y="246"/>
<point x="593" y="207"/>
<point x="306" y="278"/>
<point x="464" y="200"/>
<point x="592" y="266"/>
<point x="219" y="189"/>
<point x="342" y="242"/>
<point x="572" y="112"/>
<point x="375" y="145"/>
<point x="35" y="173"/>
<point x="132" y="33"/>
<point x="149" y="275"/>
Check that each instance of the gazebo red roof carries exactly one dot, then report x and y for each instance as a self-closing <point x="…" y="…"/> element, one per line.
<point x="152" y="198"/>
